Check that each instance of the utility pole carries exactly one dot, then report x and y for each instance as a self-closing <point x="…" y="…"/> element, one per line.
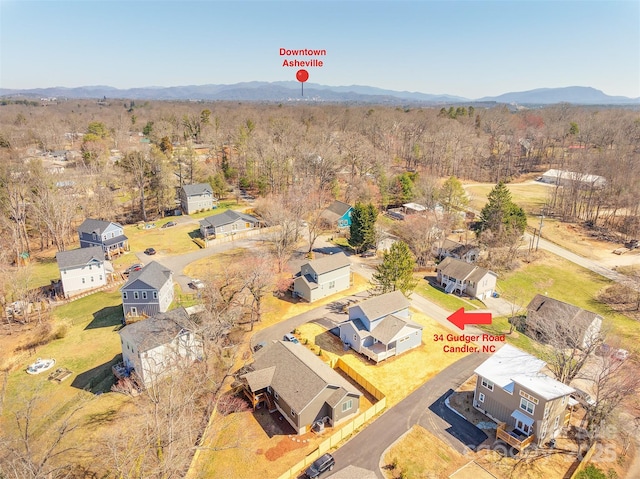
<point x="540" y="229"/>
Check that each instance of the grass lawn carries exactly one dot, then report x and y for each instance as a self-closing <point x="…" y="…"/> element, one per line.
<point x="222" y="207"/>
<point x="450" y="302"/>
<point x="88" y="348"/>
<point x="435" y="458"/>
<point x="41" y="271"/>
<point x="174" y="240"/>
<point x="530" y="196"/>
<point x="563" y="280"/>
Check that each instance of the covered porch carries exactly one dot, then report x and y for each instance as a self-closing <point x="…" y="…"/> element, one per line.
<point x="378" y="352"/>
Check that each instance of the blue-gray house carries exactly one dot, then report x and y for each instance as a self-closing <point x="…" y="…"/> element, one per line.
<point x="338" y="214"/>
<point x="381" y="327"/>
<point x="110" y="236"/>
<point x="148" y="291"/>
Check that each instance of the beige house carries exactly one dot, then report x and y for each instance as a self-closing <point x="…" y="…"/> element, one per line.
<point x="289" y="378"/>
<point x="529" y="406"/>
<point x="458" y="276"/>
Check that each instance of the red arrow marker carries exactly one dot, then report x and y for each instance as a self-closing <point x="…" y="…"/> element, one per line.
<point x="460" y="318"/>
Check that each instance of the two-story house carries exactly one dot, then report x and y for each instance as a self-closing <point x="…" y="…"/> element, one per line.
<point x="458" y="276"/>
<point x="227" y="223"/>
<point x="148" y="291"/>
<point x="466" y="252"/>
<point x="196" y="197"/>
<point x="289" y="378"/>
<point x="82" y="269"/>
<point x="322" y="277"/>
<point x="110" y="236"/>
<point x="381" y="327"/>
<point x="157" y="346"/>
<point x="528" y="405"/>
<point x="338" y="214"/>
<point x="549" y="318"/>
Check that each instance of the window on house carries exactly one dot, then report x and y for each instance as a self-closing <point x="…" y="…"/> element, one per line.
<point x="144" y="295"/>
<point x="347" y="405"/>
<point x="332" y="284"/>
<point x="155" y="295"/>
<point x="293" y="413"/>
<point x="556" y="423"/>
<point x="527" y="405"/>
<point x="275" y="395"/>
<point x="100" y="278"/>
<point x="547" y="408"/>
<point x="92" y="279"/>
<point x="543" y="431"/>
<point x="481" y="397"/>
<point x="487" y="384"/>
<point x="355" y="337"/>
<point x="83" y="281"/>
<point x="124" y="295"/>
<point x="90" y="267"/>
<point x="136" y="295"/>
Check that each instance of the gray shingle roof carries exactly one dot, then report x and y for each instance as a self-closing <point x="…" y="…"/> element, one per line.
<point x="329" y="263"/>
<point x="159" y="329"/>
<point x="383" y="305"/>
<point x="153" y="274"/>
<point x="92" y="226"/>
<point x="299" y="376"/>
<point x="79" y="257"/>
<point x="335" y="210"/>
<point x="227" y="218"/>
<point x="390" y="326"/>
<point x="545" y="308"/>
<point x="455" y="268"/>
<point x="197" y="189"/>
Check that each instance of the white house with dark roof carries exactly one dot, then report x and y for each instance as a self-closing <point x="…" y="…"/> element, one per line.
<point x="528" y="405"/>
<point x="466" y="252"/>
<point x="82" y="269"/>
<point x="289" y="378"/>
<point x="227" y="223"/>
<point x="568" y="178"/>
<point x="155" y="347"/>
<point x="322" y="277"/>
<point x="458" y="276"/>
<point x="196" y="197"/>
<point x="381" y="327"/>
<point x="148" y="291"/>
<point x="110" y="236"/>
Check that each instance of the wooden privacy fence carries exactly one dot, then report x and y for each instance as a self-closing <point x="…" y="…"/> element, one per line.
<point x="583" y="463"/>
<point x="347" y="429"/>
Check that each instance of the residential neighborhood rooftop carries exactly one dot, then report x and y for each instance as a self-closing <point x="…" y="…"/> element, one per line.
<point x="227" y="217"/>
<point x="461" y="270"/>
<point x="383" y="305"/>
<point x="92" y="226"/>
<point x="329" y="263"/>
<point x="153" y="274"/>
<point x="296" y="373"/>
<point x="560" y="311"/>
<point x="510" y="365"/>
<point x="197" y="189"/>
<point x="79" y="256"/>
<point x="159" y="329"/>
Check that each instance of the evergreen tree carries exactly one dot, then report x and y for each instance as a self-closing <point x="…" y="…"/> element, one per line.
<point x="501" y="215"/>
<point x="395" y="273"/>
<point x="452" y="195"/>
<point x="362" y="231"/>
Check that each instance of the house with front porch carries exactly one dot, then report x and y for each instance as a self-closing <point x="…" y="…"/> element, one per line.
<point x="457" y="276"/>
<point x="529" y="406"/>
<point x="148" y="291"/>
<point x="323" y="277"/>
<point x="381" y="327"/>
<point x="290" y="379"/>
<point x="106" y="234"/>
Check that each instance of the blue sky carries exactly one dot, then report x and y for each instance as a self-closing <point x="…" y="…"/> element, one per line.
<point x="473" y="48"/>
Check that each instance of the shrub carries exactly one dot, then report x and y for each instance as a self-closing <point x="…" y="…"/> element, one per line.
<point x="591" y="472"/>
<point x="61" y="331"/>
<point x="319" y="353"/>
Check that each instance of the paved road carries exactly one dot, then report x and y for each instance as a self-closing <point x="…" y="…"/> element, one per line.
<point x="425" y="406"/>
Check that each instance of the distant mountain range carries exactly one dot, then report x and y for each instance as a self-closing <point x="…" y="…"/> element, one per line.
<point x="287" y="91"/>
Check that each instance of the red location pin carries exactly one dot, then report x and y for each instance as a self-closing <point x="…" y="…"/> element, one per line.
<point x="302" y="76"/>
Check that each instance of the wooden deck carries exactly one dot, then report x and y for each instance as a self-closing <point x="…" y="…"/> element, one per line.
<point x="503" y="432"/>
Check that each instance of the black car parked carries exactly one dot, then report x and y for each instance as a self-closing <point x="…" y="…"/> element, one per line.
<point x="322" y="464"/>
